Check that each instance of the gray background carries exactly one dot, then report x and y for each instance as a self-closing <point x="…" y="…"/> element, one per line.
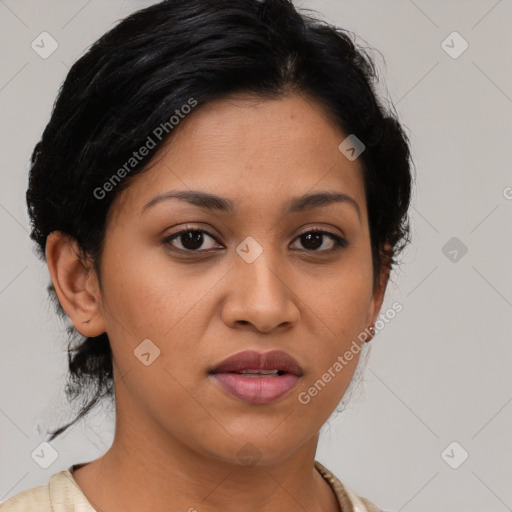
<point x="439" y="372"/>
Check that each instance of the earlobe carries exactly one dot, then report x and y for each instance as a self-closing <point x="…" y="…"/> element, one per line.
<point x="378" y="297"/>
<point x="75" y="283"/>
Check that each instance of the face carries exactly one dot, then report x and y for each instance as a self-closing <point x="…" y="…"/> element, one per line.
<point x="258" y="270"/>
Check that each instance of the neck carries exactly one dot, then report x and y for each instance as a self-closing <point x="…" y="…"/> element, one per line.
<point x="162" y="471"/>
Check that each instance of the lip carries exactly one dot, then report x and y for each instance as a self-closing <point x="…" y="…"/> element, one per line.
<point x="258" y="390"/>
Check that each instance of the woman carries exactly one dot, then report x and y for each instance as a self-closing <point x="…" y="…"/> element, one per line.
<point x="220" y="198"/>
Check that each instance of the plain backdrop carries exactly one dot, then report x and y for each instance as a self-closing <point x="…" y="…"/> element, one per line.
<point x="430" y="428"/>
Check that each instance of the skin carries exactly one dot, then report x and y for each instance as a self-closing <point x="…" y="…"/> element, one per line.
<point x="178" y="433"/>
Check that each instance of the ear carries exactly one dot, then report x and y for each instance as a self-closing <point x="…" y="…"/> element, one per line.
<point x="378" y="294"/>
<point x="76" y="284"/>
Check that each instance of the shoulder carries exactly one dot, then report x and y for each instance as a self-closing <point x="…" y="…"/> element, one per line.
<point x="61" y="494"/>
<point x="346" y="498"/>
<point x="35" y="499"/>
<point x="370" y="506"/>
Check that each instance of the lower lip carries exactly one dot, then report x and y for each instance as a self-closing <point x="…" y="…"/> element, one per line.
<point x="256" y="390"/>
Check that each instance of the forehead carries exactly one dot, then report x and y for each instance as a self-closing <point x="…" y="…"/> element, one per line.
<point x="251" y="150"/>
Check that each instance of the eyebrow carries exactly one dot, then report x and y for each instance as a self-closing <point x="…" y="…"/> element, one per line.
<point x="221" y="204"/>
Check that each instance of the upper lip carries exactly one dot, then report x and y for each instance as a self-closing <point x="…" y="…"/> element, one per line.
<point x="252" y="360"/>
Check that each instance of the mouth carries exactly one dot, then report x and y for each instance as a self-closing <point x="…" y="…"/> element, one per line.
<point x="258" y="378"/>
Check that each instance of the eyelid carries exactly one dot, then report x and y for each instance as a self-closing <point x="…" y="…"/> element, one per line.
<point x="186" y="229"/>
<point x="319" y="230"/>
<point x="307" y="229"/>
<point x="339" y="240"/>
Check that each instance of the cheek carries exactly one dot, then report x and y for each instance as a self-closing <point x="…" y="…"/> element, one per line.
<point x="338" y="305"/>
<point x="339" y="297"/>
<point x="169" y="304"/>
<point x="158" y="302"/>
<point x="336" y="325"/>
<point x="146" y="292"/>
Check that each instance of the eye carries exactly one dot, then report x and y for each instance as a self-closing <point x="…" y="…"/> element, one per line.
<point x="315" y="241"/>
<point x="196" y="240"/>
<point x="190" y="240"/>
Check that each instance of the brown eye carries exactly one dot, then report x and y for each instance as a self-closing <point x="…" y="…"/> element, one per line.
<point x="313" y="240"/>
<point x="199" y="240"/>
<point x="190" y="240"/>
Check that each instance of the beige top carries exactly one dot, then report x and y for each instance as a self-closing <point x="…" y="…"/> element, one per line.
<point x="62" y="494"/>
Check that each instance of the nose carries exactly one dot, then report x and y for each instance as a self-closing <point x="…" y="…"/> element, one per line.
<point x="260" y="297"/>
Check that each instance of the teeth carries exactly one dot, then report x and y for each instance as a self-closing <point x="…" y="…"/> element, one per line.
<point x="259" y="372"/>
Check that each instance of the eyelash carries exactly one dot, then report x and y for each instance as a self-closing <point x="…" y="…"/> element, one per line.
<point x="339" y="242"/>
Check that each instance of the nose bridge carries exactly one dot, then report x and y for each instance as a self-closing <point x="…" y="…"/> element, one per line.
<point x="259" y="293"/>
